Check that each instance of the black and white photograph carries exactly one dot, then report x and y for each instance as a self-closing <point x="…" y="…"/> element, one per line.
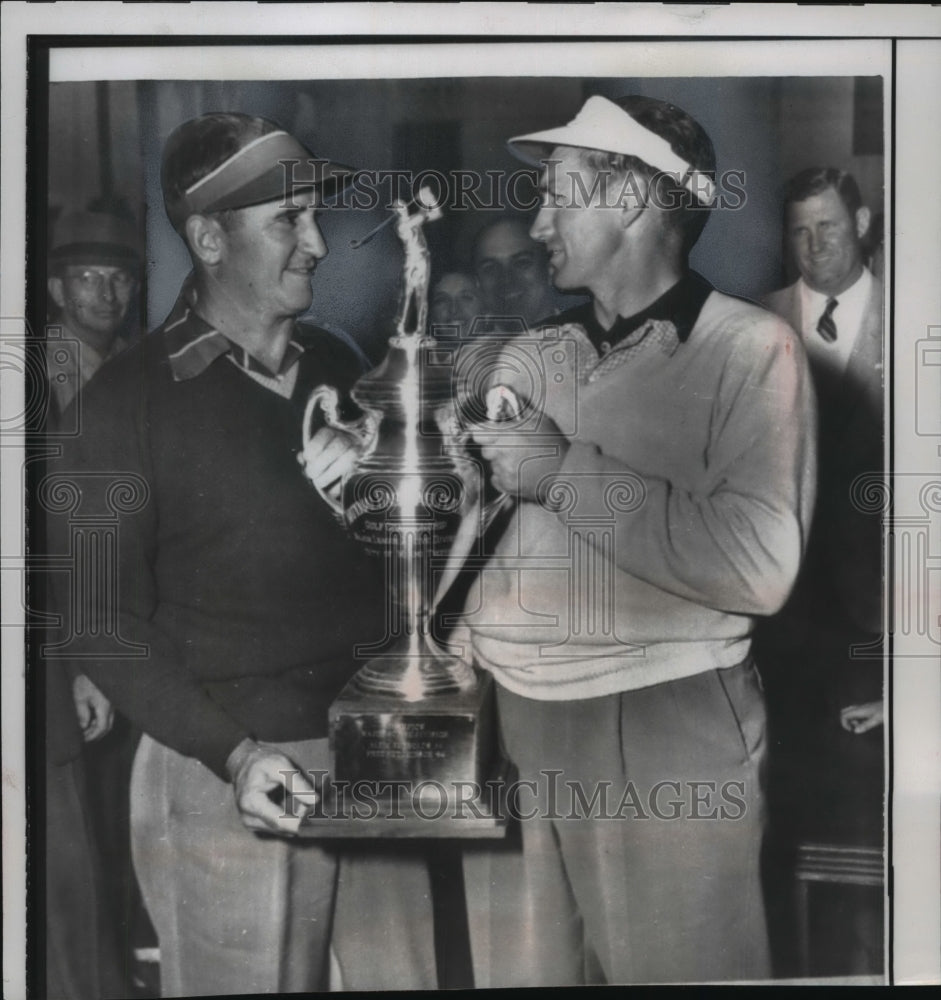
<point x="471" y="491"/>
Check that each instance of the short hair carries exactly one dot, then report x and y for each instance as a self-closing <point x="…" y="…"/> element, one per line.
<point x="195" y="148"/>
<point x="513" y="221"/>
<point x="816" y="180"/>
<point x="688" y="140"/>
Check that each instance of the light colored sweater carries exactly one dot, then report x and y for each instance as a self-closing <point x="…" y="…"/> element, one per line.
<point x="682" y="509"/>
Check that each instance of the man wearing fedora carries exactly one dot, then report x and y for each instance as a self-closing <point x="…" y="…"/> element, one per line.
<point x="94" y="264"/>
<point x="241" y="598"/>
<point x="663" y="498"/>
<point x="94" y="261"/>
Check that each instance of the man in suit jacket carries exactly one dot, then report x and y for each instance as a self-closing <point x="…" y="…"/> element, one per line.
<point x="837" y="306"/>
<point x="822" y="656"/>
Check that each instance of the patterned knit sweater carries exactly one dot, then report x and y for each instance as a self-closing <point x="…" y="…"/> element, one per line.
<point x="681" y="510"/>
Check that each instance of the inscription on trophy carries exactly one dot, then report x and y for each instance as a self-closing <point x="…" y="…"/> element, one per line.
<point x="444" y="739"/>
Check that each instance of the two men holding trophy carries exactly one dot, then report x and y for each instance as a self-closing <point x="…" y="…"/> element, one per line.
<point x="653" y="501"/>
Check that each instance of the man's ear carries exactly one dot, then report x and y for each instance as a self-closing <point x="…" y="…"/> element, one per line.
<point x="863" y="218"/>
<point x="632" y="193"/>
<point x="629" y="214"/>
<point x="206" y="238"/>
<point x="57" y="291"/>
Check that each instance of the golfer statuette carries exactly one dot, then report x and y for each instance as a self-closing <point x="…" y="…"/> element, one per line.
<point x="415" y="713"/>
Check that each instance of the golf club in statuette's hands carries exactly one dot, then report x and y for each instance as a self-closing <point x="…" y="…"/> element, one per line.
<point x="415" y="714"/>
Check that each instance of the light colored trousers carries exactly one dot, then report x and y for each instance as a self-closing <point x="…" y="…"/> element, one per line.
<point x="668" y="889"/>
<point x="236" y="912"/>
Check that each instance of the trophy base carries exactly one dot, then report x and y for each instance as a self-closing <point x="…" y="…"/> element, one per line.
<point x="446" y="738"/>
<point x="378" y="811"/>
<point x="412" y="769"/>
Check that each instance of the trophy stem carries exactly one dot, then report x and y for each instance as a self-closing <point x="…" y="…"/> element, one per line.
<point x="409" y="664"/>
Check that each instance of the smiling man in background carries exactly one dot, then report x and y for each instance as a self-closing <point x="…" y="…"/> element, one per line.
<point x="837" y="306"/>
<point x="823" y="653"/>
<point x="836" y="303"/>
<point x="512" y="271"/>
<point x="94" y="262"/>
<point x="93" y="267"/>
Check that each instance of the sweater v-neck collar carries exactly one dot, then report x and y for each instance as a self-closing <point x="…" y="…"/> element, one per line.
<point x="679" y="305"/>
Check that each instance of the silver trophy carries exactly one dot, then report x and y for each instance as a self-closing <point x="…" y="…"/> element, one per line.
<point x="415" y="712"/>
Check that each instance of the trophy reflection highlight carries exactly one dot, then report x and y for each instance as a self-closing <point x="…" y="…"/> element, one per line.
<point x="415" y="712"/>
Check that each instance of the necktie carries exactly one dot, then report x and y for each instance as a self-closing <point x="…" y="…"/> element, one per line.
<point x="826" y="327"/>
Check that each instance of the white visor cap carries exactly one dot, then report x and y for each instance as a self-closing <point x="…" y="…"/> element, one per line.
<point x="604" y="126"/>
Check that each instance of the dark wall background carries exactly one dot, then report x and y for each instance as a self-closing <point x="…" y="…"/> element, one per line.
<point x="105" y="142"/>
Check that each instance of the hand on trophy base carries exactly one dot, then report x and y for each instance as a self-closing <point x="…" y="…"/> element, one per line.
<point x="413" y="770"/>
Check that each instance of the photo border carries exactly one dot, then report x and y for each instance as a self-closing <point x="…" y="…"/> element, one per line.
<point x="912" y="271"/>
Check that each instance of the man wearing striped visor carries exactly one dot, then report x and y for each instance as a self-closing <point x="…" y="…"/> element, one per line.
<point x="240" y="598"/>
<point x="663" y="494"/>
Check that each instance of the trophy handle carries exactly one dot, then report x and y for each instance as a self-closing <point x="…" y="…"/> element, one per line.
<point x="363" y="433"/>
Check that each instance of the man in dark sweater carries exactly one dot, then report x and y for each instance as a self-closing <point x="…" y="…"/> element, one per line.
<point x="237" y="599"/>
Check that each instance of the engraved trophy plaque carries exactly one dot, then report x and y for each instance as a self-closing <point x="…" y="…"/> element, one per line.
<point x="415" y="719"/>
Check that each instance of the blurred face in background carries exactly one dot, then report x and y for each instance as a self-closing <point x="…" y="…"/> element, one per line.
<point x="93" y="299"/>
<point x="512" y="271"/>
<point x="456" y="300"/>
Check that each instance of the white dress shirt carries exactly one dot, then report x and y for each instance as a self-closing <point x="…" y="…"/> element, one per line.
<point x="848" y="317"/>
